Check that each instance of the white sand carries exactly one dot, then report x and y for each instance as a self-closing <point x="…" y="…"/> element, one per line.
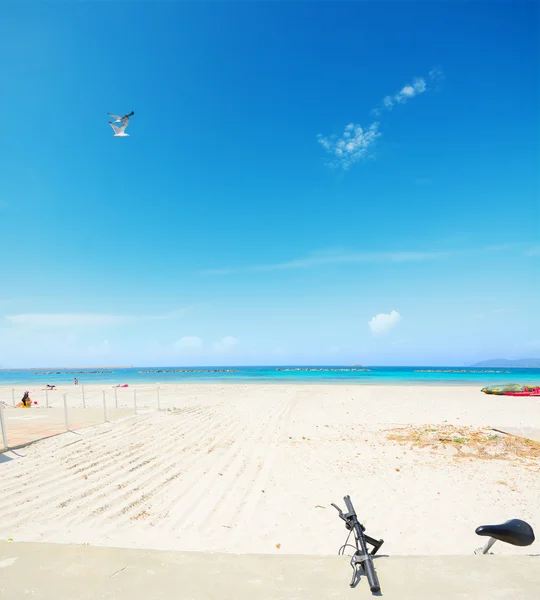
<point x="244" y="468"/>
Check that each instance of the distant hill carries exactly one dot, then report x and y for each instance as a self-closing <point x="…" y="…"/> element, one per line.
<point x="523" y="363"/>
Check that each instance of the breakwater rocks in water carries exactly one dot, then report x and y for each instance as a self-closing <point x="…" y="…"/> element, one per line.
<point x="72" y="373"/>
<point x="323" y="369"/>
<point x="458" y="371"/>
<point x="191" y="371"/>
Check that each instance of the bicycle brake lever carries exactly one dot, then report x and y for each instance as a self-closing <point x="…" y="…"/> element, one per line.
<point x="341" y="515"/>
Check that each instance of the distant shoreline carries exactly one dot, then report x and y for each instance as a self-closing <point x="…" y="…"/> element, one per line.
<point x="64" y="368"/>
<point x="426" y="368"/>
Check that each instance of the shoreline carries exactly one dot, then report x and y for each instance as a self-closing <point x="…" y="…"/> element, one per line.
<point x="436" y="383"/>
<point x="254" y="382"/>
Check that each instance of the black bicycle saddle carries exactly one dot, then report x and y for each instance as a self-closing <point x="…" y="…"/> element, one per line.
<point x="515" y="532"/>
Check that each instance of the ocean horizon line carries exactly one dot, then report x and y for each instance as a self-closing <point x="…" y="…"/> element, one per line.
<point x="273" y="366"/>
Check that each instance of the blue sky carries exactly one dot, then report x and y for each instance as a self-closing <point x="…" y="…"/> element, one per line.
<point x="304" y="183"/>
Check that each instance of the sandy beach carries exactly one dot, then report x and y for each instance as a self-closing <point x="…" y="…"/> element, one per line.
<point x="253" y="468"/>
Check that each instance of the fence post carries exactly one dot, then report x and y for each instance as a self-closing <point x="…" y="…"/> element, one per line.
<point x="13" y="396"/>
<point x="83" y="398"/>
<point x="3" y="427"/>
<point x="135" y="401"/>
<point x="104" y="406"/>
<point x="47" y="398"/>
<point x="66" y="412"/>
<point x="115" y="397"/>
<point x="158" y="406"/>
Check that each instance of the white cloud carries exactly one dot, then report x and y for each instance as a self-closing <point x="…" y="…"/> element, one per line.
<point x="436" y="75"/>
<point x="83" y="319"/>
<point x="336" y="257"/>
<point x="226" y="344"/>
<point x="355" y="141"/>
<point x="189" y="342"/>
<point x="418" y="86"/>
<point x="353" y="144"/>
<point x="533" y="251"/>
<point x="383" y="322"/>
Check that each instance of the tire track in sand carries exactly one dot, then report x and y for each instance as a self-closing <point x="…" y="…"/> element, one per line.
<point x="40" y="505"/>
<point x="207" y="495"/>
<point x="247" y="495"/>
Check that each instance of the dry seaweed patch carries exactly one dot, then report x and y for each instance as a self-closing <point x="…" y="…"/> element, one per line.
<point x="467" y="442"/>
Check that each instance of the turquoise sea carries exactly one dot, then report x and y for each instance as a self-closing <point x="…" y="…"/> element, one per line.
<point x="314" y="374"/>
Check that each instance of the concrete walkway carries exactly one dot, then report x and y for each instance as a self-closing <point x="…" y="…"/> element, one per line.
<point x="61" y="572"/>
<point x="530" y="433"/>
<point x="26" y="425"/>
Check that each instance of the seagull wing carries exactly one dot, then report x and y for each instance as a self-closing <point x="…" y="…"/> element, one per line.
<point x="130" y="114"/>
<point x="115" y="128"/>
<point x="115" y="116"/>
<point x="125" y="123"/>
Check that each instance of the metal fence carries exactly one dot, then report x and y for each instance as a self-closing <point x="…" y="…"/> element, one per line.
<point x="87" y="395"/>
<point x="85" y="406"/>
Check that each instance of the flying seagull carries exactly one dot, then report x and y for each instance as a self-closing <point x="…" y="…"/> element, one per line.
<point x="120" y="131"/>
<point x="121" y="119"/>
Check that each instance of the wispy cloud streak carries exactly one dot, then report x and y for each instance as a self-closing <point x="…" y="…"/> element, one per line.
<point x="85" y="319"/>
<point x="337" y="256"/>
<point x="327" y="258"/>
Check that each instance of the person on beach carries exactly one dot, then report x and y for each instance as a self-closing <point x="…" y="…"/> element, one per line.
<point x="50" y="387"/>
<point x="76" y="381"/>
<point x="26" y="401"/>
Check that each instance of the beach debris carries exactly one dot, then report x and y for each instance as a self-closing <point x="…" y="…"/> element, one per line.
<point x="278" y="546"/>
<point x="123" y="119"/>
<point x="119" y="571"/>
<point x="319" y="506"/>
<point x="467" y="442"/>
<point x="142" y="515"/>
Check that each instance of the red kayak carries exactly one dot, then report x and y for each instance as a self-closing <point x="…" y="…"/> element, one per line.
<point x="533" y="392"/>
